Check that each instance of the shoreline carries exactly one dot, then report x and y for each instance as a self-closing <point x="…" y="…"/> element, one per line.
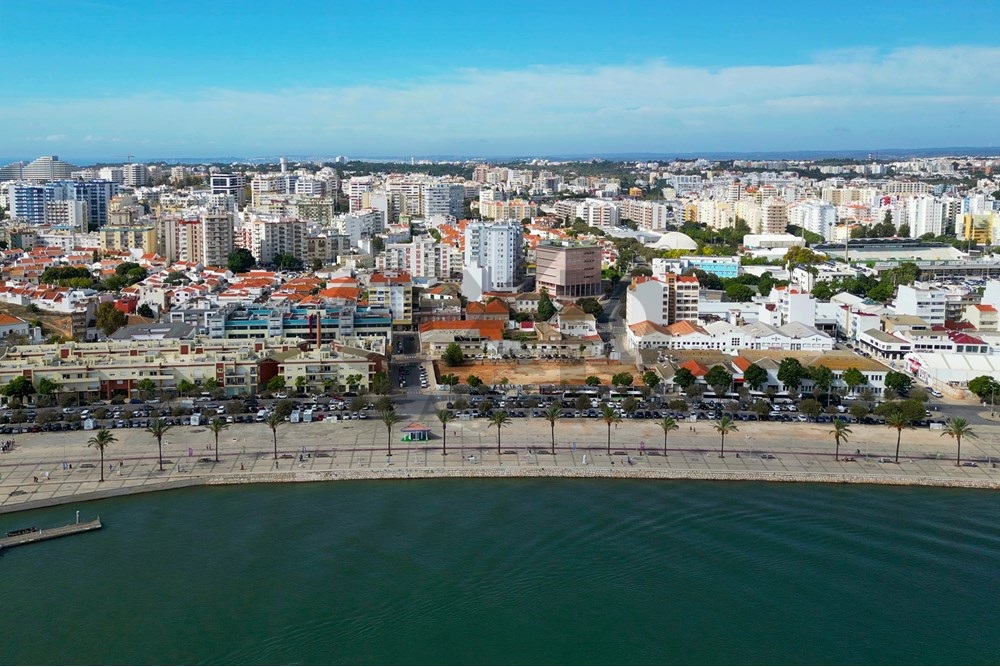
<point x="500" y="472"/>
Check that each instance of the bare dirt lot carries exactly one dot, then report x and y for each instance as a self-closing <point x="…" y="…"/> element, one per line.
<point x="538" y="372"/>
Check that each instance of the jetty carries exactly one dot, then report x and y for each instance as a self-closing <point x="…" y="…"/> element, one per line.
<point x="15" y="538"/>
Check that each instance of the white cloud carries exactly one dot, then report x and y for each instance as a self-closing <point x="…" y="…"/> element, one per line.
<point x="906" y="97"/>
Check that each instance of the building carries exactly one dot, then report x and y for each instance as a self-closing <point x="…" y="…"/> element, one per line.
<point x="568" y="270"/>
<point x="817" y="217"/>
<point x="270" y="238"/>
<point x="134" y="175"/>
<point x="45" y="168"/>
<point x="982" y="316"/>
<point x="233" y="185"/>
<point x="141" y="235"/>
<point x="773" y="217"/>
<point x="494" y="258"/>
<point x="922" y="300"/>
<point x="393" y="293"/>
<point x="442" y="199"/>
<point x="662" y="300"/>
<point x="926" y="215"/>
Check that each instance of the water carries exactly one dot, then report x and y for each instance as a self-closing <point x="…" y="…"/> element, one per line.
<point x="511" y="572"/>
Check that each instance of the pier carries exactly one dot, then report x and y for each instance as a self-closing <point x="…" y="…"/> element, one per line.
<point x="16" y="538"/>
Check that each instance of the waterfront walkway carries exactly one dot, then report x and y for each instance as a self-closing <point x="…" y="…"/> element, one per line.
<point x="54" y="468"/>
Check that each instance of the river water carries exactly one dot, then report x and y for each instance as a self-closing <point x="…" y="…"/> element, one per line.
<point x="512" y="572"/>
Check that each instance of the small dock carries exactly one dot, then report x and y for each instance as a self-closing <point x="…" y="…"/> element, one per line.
<point x="16" y="538"/>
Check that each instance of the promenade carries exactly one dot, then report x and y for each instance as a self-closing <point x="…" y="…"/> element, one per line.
<point x="67" y="470"/>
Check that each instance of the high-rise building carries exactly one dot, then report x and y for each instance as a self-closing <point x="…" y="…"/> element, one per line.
<point x="663" y="299"/>
<point x="773" y="217"/>
<point x="568" y="271"/>
<point x="134" y="175"/>
<point x="442" y="199"/>
<point x="817" y="217"/>
<point x="356" y="186"/>
<point x="270" y="238"/>
<point x="27" y="202"/>
<point x="219" y="237"/>
<point x="230" y="184"/>
<point x="926" y="215"/>
<point x="494" y="257"/>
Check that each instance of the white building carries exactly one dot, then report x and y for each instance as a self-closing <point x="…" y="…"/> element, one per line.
<point x="494" y="257"/>
<point x="817" y="217"/>
<point x="921" y="300"/>
<point x="926" y="215"/>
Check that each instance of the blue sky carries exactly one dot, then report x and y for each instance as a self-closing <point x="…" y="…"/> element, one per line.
<point x="108" y="78"/>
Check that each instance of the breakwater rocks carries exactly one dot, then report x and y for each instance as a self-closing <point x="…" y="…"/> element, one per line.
<point x="594" y="473"/>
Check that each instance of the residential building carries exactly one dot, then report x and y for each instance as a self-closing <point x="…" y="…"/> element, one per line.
<point x="663" y="300"/>
<point x="393" y="292"/>
<point x="272" y="237"/>
<point x="494" y="258"/>
<point x="922" y="300"/>
<point x="814" y="216"/>
<point x="232" y="185"/>
<point x="982" y="316"/>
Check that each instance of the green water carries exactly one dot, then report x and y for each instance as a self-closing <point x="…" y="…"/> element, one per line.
<point x="512" y="572"/>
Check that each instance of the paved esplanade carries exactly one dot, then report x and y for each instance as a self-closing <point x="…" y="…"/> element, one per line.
<point x="66" y="468"/>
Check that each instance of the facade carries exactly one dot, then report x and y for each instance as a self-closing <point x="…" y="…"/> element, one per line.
<point x="232" y="185"/>
<point x="662" y="300"/>
<point x="921" y="300"/>
<point x="817" y="217"/>
<point x="270" y="238"/>
<point x="494" y="257"/>
<point x="568" y="271"/>
<point x="442" y="199"/>
<point x="126" y="237"/>
<point x="395" y="294"/>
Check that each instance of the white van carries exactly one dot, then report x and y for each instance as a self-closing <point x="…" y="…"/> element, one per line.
<point x="261" y="415"/>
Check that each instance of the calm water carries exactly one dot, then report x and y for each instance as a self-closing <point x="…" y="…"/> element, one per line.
<point x="519" y="572"/>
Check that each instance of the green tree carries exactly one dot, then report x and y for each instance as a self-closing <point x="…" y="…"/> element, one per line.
<point x="286" y="261"/>
<point x="761" y="407"/>
<point x="791" y="372"/>
<point x="651" y="379"/>
<point x="499" y="419"/>
<point x="684" y="378"/>
<point x="390" y="419"/>
<point x="453" y="355"/>
<point x="958" y="428"/>
<point x="822" y="378"/>
<point x="474" y="381"/>
<point x="158" y="428"/>
<point x="723" y="427"/>
<point x="101" y="441"/>
<point x="381" y="384"/>
<point x="859" y="411"/>
<point x="898" y="421"/>
<point x="984" y="386"/>
<point x="592" y="381"/>
<point x="810" y="407"/>
<point x="854" y="378"/>
<point x="668" y="424"/>
<point x="900" y="382"/>
<point x="48" y="386"/>
<point x="273" y="421"/>
<point x="622" y="379"/>
<point x="755" y="377"/>
<point x="546" y="309"/>
<point x="719" y="379"/>
<point x="276" y="383"/>
<point x="109" y="318"/>
<point x="553" y="413"/>
<point x="240" y="261"/>
<point x="145" y="387"/>
<point x="739" y="293"/>
<point x="145" y="311"/>
<point x="19" y="388"/>
<point x="610" y="417"/>
<point x="591" y="306"/>
<point x="445" y="417"/>
<point x="185" y="387"/>
<point x="840" y="432"/>
<point x="217" y="426"/>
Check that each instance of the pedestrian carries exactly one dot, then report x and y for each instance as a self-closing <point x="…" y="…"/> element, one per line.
<point x="241" y="467"/>
<point x="36" y="479"/>
<point x="275" y="464"/>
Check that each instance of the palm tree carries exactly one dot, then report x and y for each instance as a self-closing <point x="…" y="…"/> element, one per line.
<point x="958" y="428"/>
<point x="610" y="417"/>
<point x="552" y="414"/>
<point x="389" y="418"/>
<point x="158" y="428"/>
<point x="840" y="432"/>
<point x="102" y="439"/>
<point x="216" y="426"/>
<point x="898" y="421"/>
<point x="723" y="426"/>
<point x="499" y="418"/>
<point x="445" y="416"/>
<point x="273" y="421"/>
<point x="668" y="424"/>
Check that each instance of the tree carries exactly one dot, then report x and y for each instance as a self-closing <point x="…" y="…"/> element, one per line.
<point x="158" y="428"/>
<point x="545" y="307"/>
<point x="651" y="379"/>
<point x="390" y="419"/>
<point x="854" y="378"/>
<point x="449" y="380"/>
<point x="499" y="419"/>
<point x="899" y="382"/>
<point x="724" y="426"/>
<point x="378" y="245"/>
<point x="445" y="416"/>
<point x="101" y="440"/>
<point x="145" y="387"/>
<point x="622" y="379"/>
<point x="19" y="388"/>
<point x="822" y="378"/>
<point x="381" y="384"/>
<point x="984" y="386"/>
<point x="216" y="426"/>
<point x="273" y="421"/>
<point x="840" y="432"/>
<point x="791" y="372"/>
<point x="552" y="414"/>
<point x="810" y="407"/>
<point x="286" y="261"/>
<point x="591" y="306"/>
<point x="684" y="378"/>
<point x="474" y="381"/>
<point x="755" y="377"/>
<point x="719" y="379"/>
<point x="277" y="383"/>
<point x="739" y="293"/>
<point x="761" y="407"/>
<point x="958" y="428"/>
<point x="610" y="417"/>
<point x="582" y="402"/>
<point x="859" y="411"/>
<point x="453" y="355"/>
<point x="240" y="260"/>
<point x="668" y="424"/>
<point x="898" y="421"/>
<point x="185" y="387"/>
<point x="145" y="311"/>
<point x="109" y="318"/>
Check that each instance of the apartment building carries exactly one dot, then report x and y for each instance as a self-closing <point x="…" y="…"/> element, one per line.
<point x="393" y="292"/>
<point x="232" y="185"/>
<point x="662" y="300"/>
<point x="817" y="217"/>
<point x="494" y="257"/>
<point x="272" y="237"/>
<point x="646" y="214"/>
<point x="921" y="300"/>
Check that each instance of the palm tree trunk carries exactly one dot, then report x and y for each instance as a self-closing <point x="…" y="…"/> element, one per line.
<point x="837" y="454"/>
<point x="899" y="435"/>
<point x="388" y="441"/>
<point x="102" y="464"/>
<point x="722" y="452"/>
<point x="216" y="447"/>
<point x="609" y="439"/>
<point x="275" y="434"/>
<point x="498" y="440"/>
<point x="958" y="455"/>
<point x="444" y="444"/>
<point x="552" y="426"/>
<point x="664" y="443"/>
<point x="159" y="446"/>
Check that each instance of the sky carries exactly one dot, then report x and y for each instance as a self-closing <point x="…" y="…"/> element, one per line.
<point x="105" y="79"/>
